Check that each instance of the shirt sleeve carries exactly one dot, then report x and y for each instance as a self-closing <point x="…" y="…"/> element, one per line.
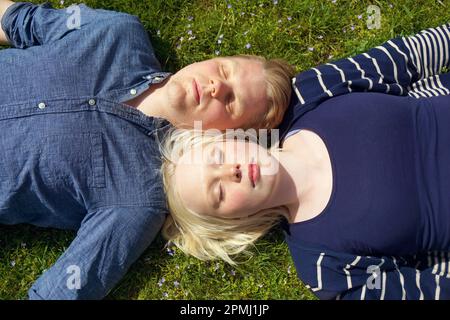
<point x="109" y="240"/>
<point x="26" y="24"/>
<point x="403" y="65"/>
<point x="393" y="280"/>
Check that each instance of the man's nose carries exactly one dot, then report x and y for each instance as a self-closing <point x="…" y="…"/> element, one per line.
<point x="218" y="88"/>
<point x="231" y="172"/>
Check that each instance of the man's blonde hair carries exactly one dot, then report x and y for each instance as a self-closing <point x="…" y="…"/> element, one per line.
<point x="278" y="74"/>
<point x="207" y="237"/>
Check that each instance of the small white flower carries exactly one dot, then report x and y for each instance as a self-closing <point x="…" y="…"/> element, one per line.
<point x="176" y="284"/>
<point x="13" y="263"/>
<point x="248" y="46"/>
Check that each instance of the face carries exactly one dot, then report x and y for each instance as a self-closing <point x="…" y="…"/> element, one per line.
<point x="222" y="93"/>
<point x="228" y="179"/>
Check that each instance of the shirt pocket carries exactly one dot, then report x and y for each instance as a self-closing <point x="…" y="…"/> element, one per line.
<point x="73" y="160"/>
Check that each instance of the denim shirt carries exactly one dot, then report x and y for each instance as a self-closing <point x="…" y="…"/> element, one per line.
<point x="74" y="155"/>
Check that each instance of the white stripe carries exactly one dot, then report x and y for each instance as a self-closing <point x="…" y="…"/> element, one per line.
<point x="339" y="70"/>
<point x="406" y="58"/>
<point x="417" y="47"/>
<point x="383" y="286"/>
<point x="319" y="273"/>
<point x="347" y="267"/>
<point x="441" y="50"/>
<point x="363" y="293"/>
<point x="412" y="56"/>
<point x="418" y="284"/>
<point x="421" y="90"/>
<point x="443" y="264"/>
<point x="362" y="72"/>
<point x="415" y="95"/>
<point x="438" y="288"/>
<point x="442" y="92"/>
<point x="428" y="86"/>
<point x="426" y="63"/>
<point x="299" y="96"/>
<point x="436" y="263"/>
<point x="319" y="77"/>
<point x="393" y="64"/>
<point x="349" y="86"/>
<point x="448" y="265"/>
<point x="402" y="280"/>
<point x="438" y="80"/>
<point x="433" y="56"/>
<point x="415" y="54"/>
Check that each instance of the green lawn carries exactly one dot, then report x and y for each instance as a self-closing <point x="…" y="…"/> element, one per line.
<point x="306" y="33"/>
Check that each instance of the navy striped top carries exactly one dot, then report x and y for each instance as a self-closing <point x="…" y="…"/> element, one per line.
<point x="385" y="233"/>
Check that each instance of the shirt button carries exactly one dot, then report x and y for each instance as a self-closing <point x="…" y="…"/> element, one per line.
<point x="133" y="91"/>
<point x="41" y="105"/>
<point x="91" y="102"/>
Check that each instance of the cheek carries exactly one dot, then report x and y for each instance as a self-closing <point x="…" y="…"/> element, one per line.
<point x="238" y="200"/>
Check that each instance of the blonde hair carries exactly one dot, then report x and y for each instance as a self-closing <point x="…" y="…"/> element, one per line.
<point x="278" y="74"/>
<point x="207" y="237"/>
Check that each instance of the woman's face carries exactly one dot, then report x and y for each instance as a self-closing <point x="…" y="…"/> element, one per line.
<point x="226" y="179"/>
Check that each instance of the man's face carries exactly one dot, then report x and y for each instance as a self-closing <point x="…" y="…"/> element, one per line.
<point x="228" y="92"/>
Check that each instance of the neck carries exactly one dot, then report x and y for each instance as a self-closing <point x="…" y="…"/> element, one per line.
<point x="295" y="178"/>
<point x="152" y="101"/>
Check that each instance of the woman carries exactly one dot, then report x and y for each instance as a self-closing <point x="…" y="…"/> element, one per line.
<point x="362" y="179"/>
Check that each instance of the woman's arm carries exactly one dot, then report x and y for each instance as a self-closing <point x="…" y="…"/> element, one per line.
<point x="401" y="66"/>
<point x="4" y="4"/>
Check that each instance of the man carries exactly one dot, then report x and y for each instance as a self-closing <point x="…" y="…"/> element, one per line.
<point x="82" y="100"/>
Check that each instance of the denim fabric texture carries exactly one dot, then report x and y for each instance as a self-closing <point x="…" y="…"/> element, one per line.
<point x="73" y="154"/>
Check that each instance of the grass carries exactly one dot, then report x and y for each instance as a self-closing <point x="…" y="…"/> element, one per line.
<point x="306" y="33"/>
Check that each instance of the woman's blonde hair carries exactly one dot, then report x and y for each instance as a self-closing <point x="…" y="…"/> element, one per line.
<point x="278" y="74"/>
<point x="207" y="237"/>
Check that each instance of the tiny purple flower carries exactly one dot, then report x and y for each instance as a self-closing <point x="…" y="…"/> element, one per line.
<point x="360" y="17"/>
<point x="289" y="18"/>
<point x="233" y="273"/>
<point x="165" y="294"/>
<point x="229" y="6"/>
<point x="160" y="282"/>
<point x="189" y="32"/>
<point x="352" y="27"/>
<point x="176" y="284"/>
<point x="248" y="46"/>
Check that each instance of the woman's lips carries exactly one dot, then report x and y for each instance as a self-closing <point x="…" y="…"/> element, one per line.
<point x="253" y="173"/>
<point x="197" y="91"/>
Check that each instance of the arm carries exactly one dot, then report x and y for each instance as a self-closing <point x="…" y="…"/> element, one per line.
<point x="109" y="240"/>
<point x="28" y="24"/>
<point x="399" y="66"/>
<point x="4" y="4"/>
<point x="351" y="277"/>
<point x="397" y="281"/>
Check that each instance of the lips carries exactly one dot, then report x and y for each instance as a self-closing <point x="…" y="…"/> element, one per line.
<point x="197" y="91"/>
<point x="253" y="173"/>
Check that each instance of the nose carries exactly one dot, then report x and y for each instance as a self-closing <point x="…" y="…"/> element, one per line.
<point x="218" y="88"/>
<point x="231" y="172"/>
